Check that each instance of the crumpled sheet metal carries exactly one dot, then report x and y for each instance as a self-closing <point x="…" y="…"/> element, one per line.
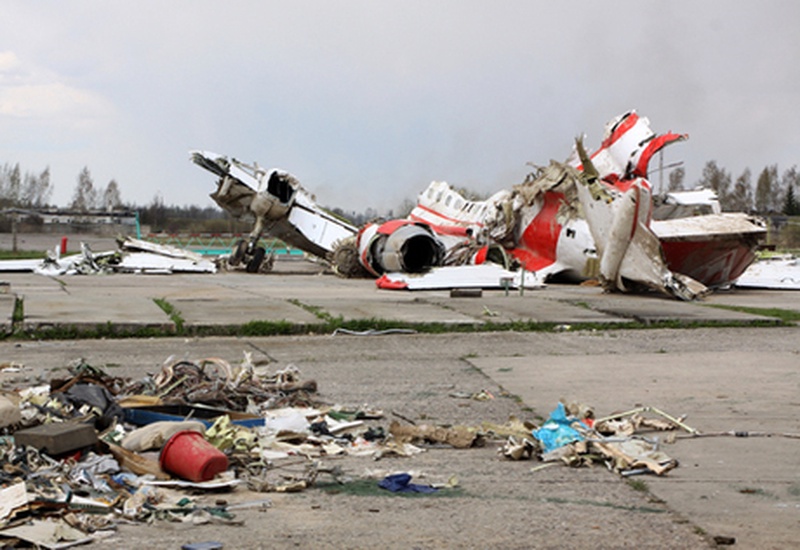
<point x="217" y="383"/>
<point x="133" y="256"/>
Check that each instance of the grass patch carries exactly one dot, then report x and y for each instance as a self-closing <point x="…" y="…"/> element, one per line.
<point x="638" y="485"/>
<point x="172" y="311"/>
<point x="788" y="316"/>
<point x="316" y="311"/>
<point x="94" y="332"/>
<point x="328" y="324"/>
<point x="22" y="255"/>
<point x="18" y="315"/>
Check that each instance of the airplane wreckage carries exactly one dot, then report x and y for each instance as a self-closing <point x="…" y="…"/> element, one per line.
<point x="589" y="217"/>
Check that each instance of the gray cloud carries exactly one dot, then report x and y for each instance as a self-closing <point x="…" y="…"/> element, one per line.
<point x="366" y="102"/>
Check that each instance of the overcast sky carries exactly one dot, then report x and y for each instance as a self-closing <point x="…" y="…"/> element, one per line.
<point x="366" y="102"/>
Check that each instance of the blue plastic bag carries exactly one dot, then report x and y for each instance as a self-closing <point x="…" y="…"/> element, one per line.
<point x="557" y="431"/>
<point x="401" y="483"/>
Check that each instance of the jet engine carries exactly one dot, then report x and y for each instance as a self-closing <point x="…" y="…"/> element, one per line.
<point x="399" y="245"/>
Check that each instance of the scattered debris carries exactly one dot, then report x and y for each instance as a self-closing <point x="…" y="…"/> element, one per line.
<point x="87" y="452"/>
<point x="573" y="436"/>
<point x="133" y="256"/>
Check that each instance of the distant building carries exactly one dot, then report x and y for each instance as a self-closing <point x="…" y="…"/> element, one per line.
<point x="54" y="220"/>
<point x="93" y="218"/>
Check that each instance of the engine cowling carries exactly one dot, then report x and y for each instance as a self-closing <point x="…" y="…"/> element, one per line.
<point x="399" y="245"/>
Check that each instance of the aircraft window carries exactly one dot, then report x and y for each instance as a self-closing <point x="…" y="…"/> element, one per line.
<point x="448" y="200"/>
<point x="430" y="193"/>
<point x="438" y="196"/>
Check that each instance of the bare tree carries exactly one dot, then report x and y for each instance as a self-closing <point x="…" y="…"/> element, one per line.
<point x="676" y="179"/>
<point x="767" y="187"/>
<point x="719" y="181"/>
<point x="741" y="200"/>
<point x="36" y="190"/>
<point x="85" y="196"/>
<point x="111" y="196"/>
<point x="12" y="185"/>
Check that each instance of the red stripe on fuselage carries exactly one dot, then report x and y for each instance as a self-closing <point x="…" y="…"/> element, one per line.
<point x="443" y="216"/>
<point x="537" y="248"/>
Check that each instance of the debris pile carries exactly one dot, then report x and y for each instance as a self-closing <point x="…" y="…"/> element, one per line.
<point x="572" y="435"/>
<point x="132" y="256"/>
<point x="84" y="453"/>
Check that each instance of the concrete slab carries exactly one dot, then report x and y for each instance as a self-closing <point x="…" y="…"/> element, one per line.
<point x="728" y="486"/>
<point x="757" y="298"/>
<point x="205" y="312"/>
<point x="403" y="309"/>
<point x="91" y="307"/>
<point x="536" y="306"/>
<point x="239" y="297"/>
<point x="656" y="308"/>
<point x="125" y="300"/>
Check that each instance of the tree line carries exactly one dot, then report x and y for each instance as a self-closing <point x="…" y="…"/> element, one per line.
<point x="771" y="193"/>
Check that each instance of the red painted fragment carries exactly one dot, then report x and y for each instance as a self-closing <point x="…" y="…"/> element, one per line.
<point x="386" y="283"/>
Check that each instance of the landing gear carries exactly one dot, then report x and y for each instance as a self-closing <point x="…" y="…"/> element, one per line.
<point x="239" y="252"/>
<point x="254" y="264"/>
<point x="254" y="258"/>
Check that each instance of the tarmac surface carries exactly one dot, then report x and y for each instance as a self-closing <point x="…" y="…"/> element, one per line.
<point x="741" y="376"/>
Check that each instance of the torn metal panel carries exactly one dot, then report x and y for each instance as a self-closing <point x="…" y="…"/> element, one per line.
<point x="781" y="273"/>
<point x="628" y="146"/>
<point x="685" y="204"/>
<point x="715" y="248"/>
<point x="466" y="276"/>
<point x="19" y="266"/>
<point x="629" y="251"/>
<point x="145" y="262"/>
<point x="138" y="245"/>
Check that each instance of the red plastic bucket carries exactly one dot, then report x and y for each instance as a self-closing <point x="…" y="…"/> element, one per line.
<point x="188" y="455"/>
